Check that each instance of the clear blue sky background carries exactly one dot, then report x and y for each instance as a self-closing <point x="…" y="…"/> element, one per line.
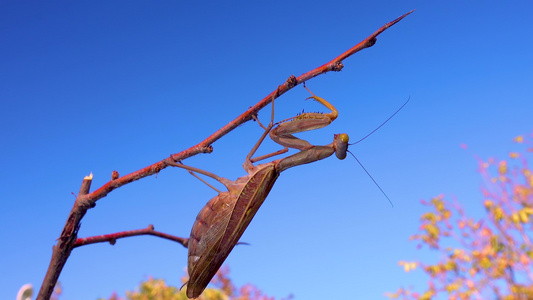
<point x="103" y="86"/>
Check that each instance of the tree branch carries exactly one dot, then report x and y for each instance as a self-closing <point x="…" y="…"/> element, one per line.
<point x="113" y="237"/>
<point x="61" y="251"/>
<point x="86" y="200"/>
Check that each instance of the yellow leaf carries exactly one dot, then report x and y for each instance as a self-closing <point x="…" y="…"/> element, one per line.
<point x="498" y="213"/>
<point x="450" y="265"/>
<point x="426" y="296"/>
<point x="523" y="216"/>
<point x="485" y="263"/>
<point x="519" y="139"/>
<point x="433" y="231"/>
<point x="452" y="287"/>
<point x="488" y="204"/>
<point x="502" y="167"/>
<point x="409" y="266"/>
<point x="429" y="217"/>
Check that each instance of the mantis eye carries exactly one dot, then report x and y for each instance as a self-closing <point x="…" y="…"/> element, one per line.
<point x="341" y="145"/>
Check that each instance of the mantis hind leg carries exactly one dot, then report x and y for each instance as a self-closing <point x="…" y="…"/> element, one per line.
<point x="193" y="171"/>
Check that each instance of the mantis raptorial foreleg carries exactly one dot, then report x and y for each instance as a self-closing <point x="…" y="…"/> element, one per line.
<point x="223" y="220"/>
<point x="282" y="134"/>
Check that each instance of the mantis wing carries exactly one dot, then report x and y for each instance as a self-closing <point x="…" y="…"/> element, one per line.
<point x="204" y="242"/>
<point x="219" y="226"/>
<point x="250" y="199"/>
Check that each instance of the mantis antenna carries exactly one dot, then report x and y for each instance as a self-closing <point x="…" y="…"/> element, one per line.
<point x="397" y="111"/>
<point x="384" y="194"/>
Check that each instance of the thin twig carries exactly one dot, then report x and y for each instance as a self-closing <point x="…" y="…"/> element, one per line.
<point x="113" y="237"/>
<point x="86" y="200"/>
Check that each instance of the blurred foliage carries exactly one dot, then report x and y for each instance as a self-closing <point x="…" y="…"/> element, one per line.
<point x="57" y="291"/>
<point x="486" y="258"/>
<point x="224" y="289"/>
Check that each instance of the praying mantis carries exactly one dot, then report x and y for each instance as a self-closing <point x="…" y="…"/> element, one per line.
<point x="222" y="221"/>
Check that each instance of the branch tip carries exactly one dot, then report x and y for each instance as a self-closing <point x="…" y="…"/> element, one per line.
<point x="400" y="18"/>
<point x="89" y="177"/>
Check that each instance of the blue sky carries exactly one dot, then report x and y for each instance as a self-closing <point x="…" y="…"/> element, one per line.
<point x="103" y="86"/>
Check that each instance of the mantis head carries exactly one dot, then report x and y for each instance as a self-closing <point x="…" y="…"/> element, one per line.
<point x="340" y="142"/>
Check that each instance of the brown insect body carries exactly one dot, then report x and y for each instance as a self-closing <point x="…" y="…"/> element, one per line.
<point x="222" y="221"/>
<point x="219" y="220"/>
